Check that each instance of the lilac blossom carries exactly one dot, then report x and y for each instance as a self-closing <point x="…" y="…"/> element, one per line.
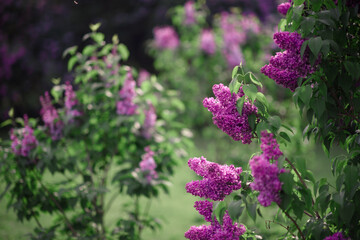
<point x="50" y="117"/>
<point x="265" y="173"/>
<point x="286" y="67"/>
<point x="207" y="41"/>
<point x="27" y="141"/>
<point x="148" y="165"/>
<point x="166" y="37"/>
<point x="70" y="102"/>
<point x="336" y="236"/>
<point x="214" y="231"/>
<point x="226" y="116"/>
<point x="250" y="23"/>
<point x="283" y="8"/>
<point x="269" y="146"/>
<point x="189" y="13"/>
<point x="148" y="127"/>
<point x="218" y="180"/>
<point x="127" y="94"/>
<point x="143" y="76"/>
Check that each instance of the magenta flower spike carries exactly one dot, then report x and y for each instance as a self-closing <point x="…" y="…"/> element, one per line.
<point x="27" y="141"/>
<point x="226" y="116"/>
<point x="218" y="180"/>
<point x="207" y="41"/>
<point x="166" y="38"/>
<point x="127" y="94"/>
<point x="50" y="117"/>
<point x="189" y="13"/>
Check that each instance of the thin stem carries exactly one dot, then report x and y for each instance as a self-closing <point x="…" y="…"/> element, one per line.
<point x="147" y="207"/>
<point x="297" y="226"/>
<point x="286" y="227"/>
<point x="303" y="183"/>
<point x="37" y="220"/>
<point x="58" y="206"/>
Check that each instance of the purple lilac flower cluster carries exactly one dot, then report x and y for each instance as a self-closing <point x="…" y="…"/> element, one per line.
<point x="232" y="38"/>
<point x="284" y="7"/>
<point x="286" y="67"/>
<point x="207" y="41"/>
<point x="148" y="127"/>
<point x="70" y="102"/>
<point x="226" y="116"/>
<point x="215" y="231"/>
<point x="190" y="12"/>
<point x="50" y="117"/>
<point x="148" y="165"/>
<point x="219" y="180"/>
<point x="166" y="38"/>
<point x="27" y="141"/>
<point x="336" y="236"/>
<point x="127" y="94"/>
<point x="265" y="173"/>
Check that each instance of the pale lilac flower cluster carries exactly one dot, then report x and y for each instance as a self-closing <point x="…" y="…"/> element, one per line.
<point x="286" y="67"/>
<point x="143" y="76"/>
<point x="148" y="127"/>
<point x="265" y="173"/>
<point x="207" y="41"/>
<point x="50" y="117"/>
<point x="189" y="13"/>
<point x="226" y="116"/>
<point x="127" y="94"/>
<point x="284" y="7"/>
<point x="218" y="180"/>
<point x="166" y="37"/>
<point x="70" y="102"/>
<point x="27" y="141"/>
<point x="148" y="165"/>
<point x="336" y="236"/>
<point x="232" y="38"/>
<point x="250" y="24"/>
<point x="214" y="231"/>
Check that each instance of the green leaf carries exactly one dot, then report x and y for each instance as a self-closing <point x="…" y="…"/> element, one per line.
<point x="95" y="27"/>
<point x="72" y="62"/>
<point x="275" y="123"/>
<point x="351" y="180"/>
<point x="298" y="2"/>
<point x="285" y="136"/>
<point x="240" y="104"/>
<point x="219" y="209"/>
<point x="5" y="123"/>
<point x="347" y="211"/>
<point x="305" y="93"/>
<point x="315" y="45"/>
<point x="303" y="48"/>
<point x="234" y="72"/>
<point x="316" y="4"/>
<point x="251" y="120"/>
<point x="298" y="208"/>
<point x="301" y="165"/>
<point x="307" y="25"/>
<point x="251" y="210"/>
<point x="234" y="86"/>
<point x="282" y="24"/>
<point x="261" y="98"/>
<point x="254" y="80"/>
<point x="70" y="50"/>
<point x="235" y="209"/>
<point x="11" y="113"/>
<point x="250" y="91"/>
<point x="124" y="52"/>
<point x="288" y="182"/>
<point x="353" y="68"/>
<point x="98" y="37"/>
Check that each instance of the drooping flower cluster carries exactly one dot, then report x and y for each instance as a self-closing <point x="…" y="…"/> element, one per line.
<point x="148" y="165"/>
<point x="214" y="231"/>
<point x="26" y="141"/>
<point x="232" y="38"/>
<point x="166" y="38"/>
<point x="218" y="180"/>
<point x="226" y="116"/>
<point x="265" y="173"/>
<point x="284" y="7"/>
<point x="336" y="236"/>
<point x="70" y="102"/>
<point x="50" y="117"/>
<point x="189" y="13"/>
<point x="127" y="94"/>
<point x="286" y="67"/>
<point x="250" y="24"/>
<point x="148" y="127"/>
<point x="207" y="41"/>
